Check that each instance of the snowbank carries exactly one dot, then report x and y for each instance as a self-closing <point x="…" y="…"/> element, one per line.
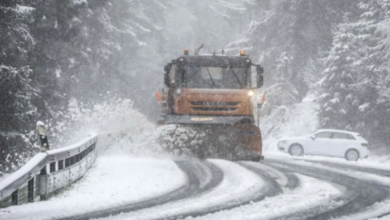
<point x="296" y="120"/>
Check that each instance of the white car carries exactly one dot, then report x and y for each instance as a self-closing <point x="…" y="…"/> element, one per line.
<point x="335" y="143"/>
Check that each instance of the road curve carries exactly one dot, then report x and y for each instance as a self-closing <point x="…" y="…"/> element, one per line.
<point x="359" y="195"/>
<point x="270" y="189"/>
<point x="202" y="176"/>
<point x="209" y="180"/>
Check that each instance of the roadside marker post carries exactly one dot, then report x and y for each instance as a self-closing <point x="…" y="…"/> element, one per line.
<point x="44" y="147"/>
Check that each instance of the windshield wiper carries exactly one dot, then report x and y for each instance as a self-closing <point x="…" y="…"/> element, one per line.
<point x="210" y="76"/>
<point x="236" y="77"/>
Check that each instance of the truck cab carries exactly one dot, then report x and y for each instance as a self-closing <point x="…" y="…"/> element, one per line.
<point x="210" y="85"/>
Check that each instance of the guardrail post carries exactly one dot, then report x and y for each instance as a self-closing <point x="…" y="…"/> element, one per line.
<point x="30" y="190"/>
<point x="43" y="178"/>
<point x="14" y="197"/>
<point x="45" y="147"/>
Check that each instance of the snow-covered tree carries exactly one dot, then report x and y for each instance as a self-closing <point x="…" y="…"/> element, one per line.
<point x="18" y="114"/>
<point x="355" y="71"/>
<point x="19" y="96"/>
<point x="16" y="40"/>
<point x="289" y="36"/>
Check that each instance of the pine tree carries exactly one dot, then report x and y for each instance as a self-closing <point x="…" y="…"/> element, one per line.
<point x="288" y="36"/>
<point x="355" y="70"/>
<point x="18" y="93"/>
<point x="15" y="38"/>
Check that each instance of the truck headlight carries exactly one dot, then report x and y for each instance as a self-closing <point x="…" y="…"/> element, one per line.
<point x="251" y="93"/>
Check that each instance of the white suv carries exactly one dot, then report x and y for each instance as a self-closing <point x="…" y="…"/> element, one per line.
<point x="336" y="143"/>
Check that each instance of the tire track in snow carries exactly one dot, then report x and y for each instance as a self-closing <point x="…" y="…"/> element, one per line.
<point x="284" y="204"/>
<point x="360" y="194"/>
<point x="279" y="179"/>
<point x="380" y="172"/>
<point x="272" y="188"/>
<point x="205" y="178"/>
<point x="368" y="170"/>
<point x="305" y="213"/>
<point x="202" y="176"/>
<point x="239" y="186"/>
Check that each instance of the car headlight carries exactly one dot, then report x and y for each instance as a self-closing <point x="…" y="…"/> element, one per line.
<point x="251" y="93"/>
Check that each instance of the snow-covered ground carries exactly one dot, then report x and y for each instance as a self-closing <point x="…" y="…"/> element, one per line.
<point x="237" y="184"/>
<point x="130" y="166"/>
<point x="377" y="209"/>
<point x="115" y="179"/>
<point x="309" y="194"/>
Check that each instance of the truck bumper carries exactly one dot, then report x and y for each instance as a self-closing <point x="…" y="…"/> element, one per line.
<point x="201" y="119"/>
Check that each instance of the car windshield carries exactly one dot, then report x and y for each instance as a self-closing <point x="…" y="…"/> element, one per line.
<point x="214" y="77"/>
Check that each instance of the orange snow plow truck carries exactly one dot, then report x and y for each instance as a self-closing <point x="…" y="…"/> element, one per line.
<point x="207" y="107"/>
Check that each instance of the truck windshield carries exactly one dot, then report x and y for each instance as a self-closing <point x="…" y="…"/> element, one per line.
<point x="215" y="77"/>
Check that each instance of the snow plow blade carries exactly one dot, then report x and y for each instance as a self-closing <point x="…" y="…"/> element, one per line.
<point x="232" y="138"/>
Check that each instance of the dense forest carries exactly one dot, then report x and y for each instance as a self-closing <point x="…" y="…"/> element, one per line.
<point x="60" y="53"/>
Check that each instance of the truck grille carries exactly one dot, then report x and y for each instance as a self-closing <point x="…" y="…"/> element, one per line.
<point x="213" y="109"/>
<point x="214" y="103"/>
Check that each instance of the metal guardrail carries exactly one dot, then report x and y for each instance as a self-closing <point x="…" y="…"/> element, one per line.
<point x="48" y="172"/>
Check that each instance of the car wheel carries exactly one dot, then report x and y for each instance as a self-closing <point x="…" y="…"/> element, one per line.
<point x="352" y="155"/>
<point x="296" y="150"/>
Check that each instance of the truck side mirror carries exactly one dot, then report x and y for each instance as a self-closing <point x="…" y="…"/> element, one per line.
<point x="166" y="79"/>
<point x="260" y="77"/>
<point x="260" y="80"/>
<point x="167" y="68"/>
<point x="259" y="70"/>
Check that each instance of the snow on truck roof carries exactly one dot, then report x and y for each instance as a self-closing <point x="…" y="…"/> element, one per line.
<point x="340" y="131"/>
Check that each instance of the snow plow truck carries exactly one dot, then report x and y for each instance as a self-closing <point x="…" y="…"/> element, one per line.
<point x="207" y="107"/>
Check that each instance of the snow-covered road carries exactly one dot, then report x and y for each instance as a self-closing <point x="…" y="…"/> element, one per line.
<point x="124" y="187"/>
